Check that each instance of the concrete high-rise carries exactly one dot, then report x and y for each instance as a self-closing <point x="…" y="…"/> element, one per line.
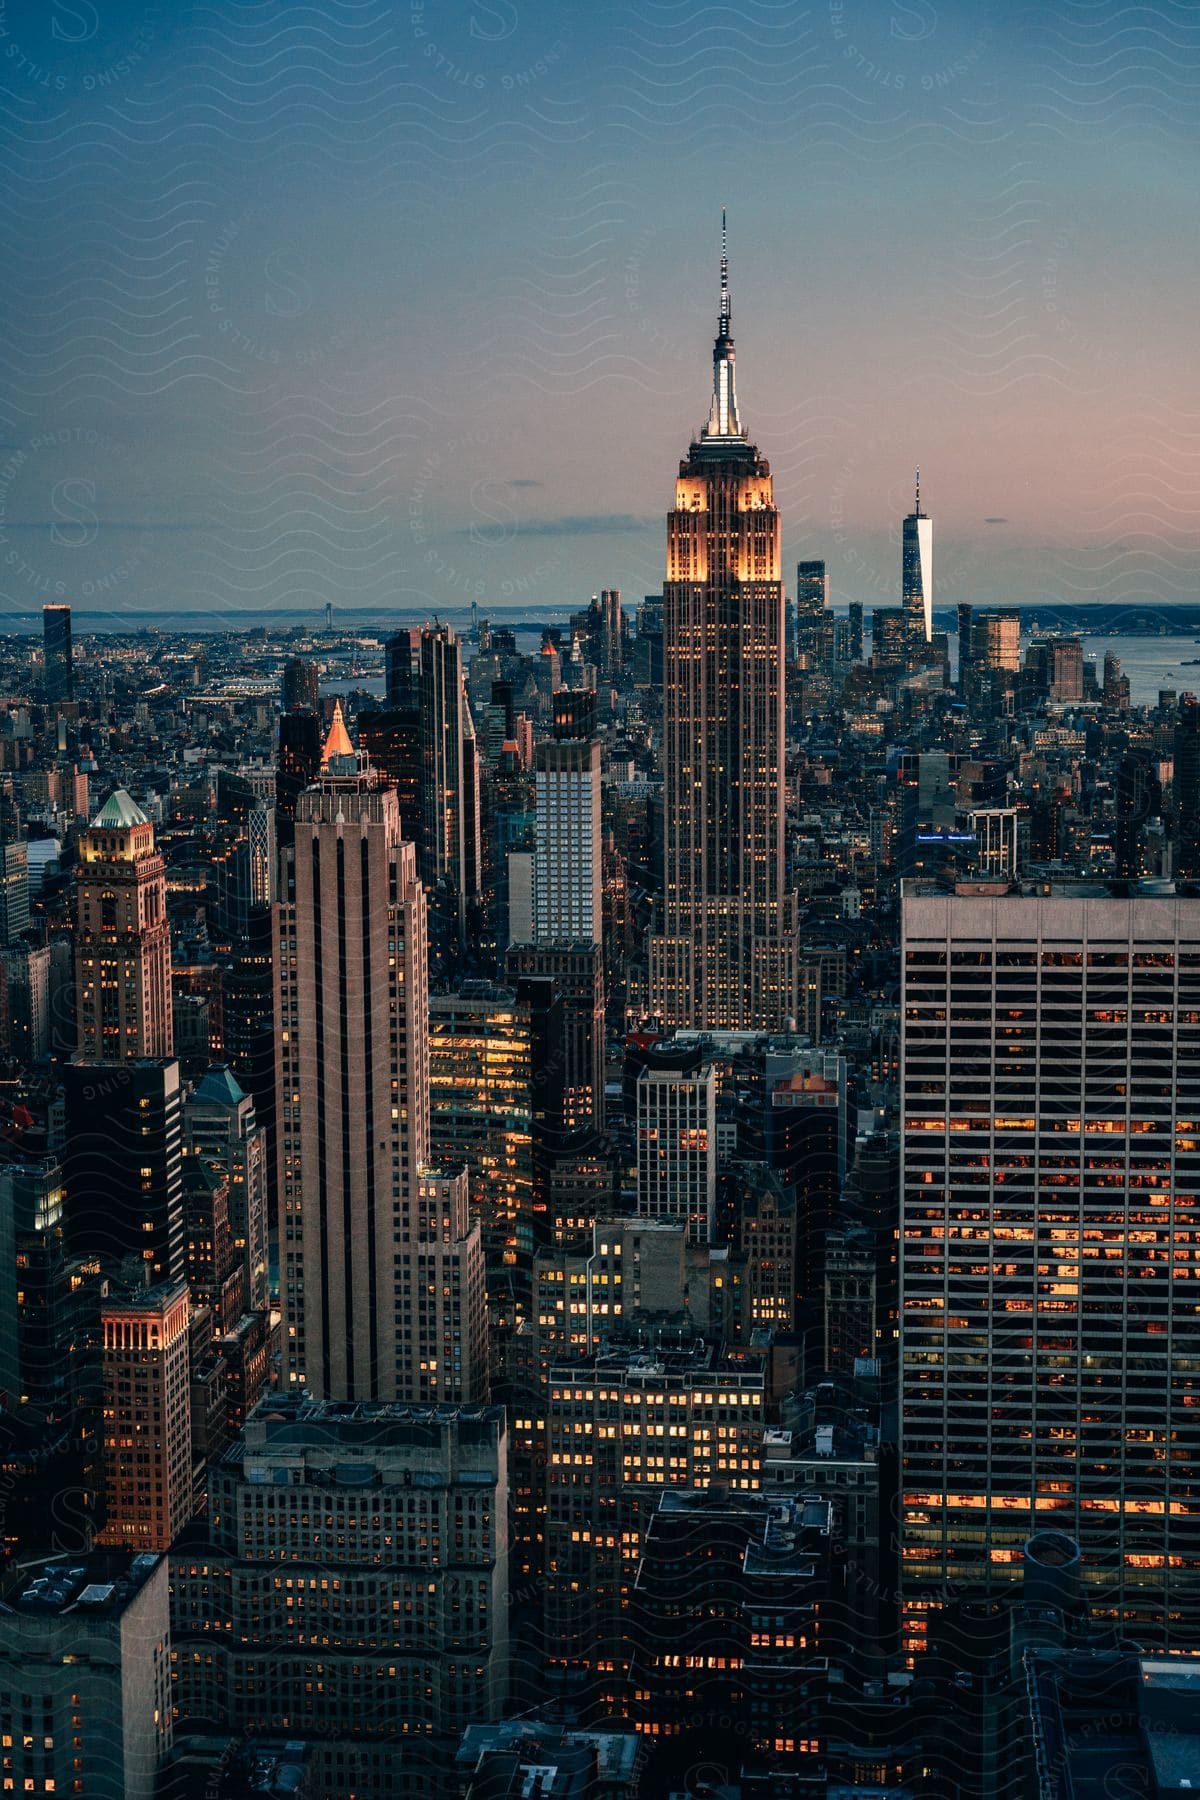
<point x="442" y="1305"/>
<point x="123" y="938"/>
<point x="622" y="1426"/>
<point x="85" y="1651"/>
<point x="351" y="1012"/>
<point x="371" y="1541"/>
<point x="14" y="891"/>
<point x="1050" y="1240"/>
<point x="567" y="891"/>
<point x="725" y="956"/>
<point x="484" y="1056"/>
<point x="350" y="1019"/>
<point x="147" y="1417"/>
<point x="677" y="1141"/>
<point x="1066" y="669"/>
<point x="917" y="571"/>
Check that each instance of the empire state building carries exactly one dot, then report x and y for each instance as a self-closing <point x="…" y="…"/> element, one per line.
<point x="725" y="958"/>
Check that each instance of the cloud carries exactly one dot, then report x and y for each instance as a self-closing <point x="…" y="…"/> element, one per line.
<point x="588" y="525"/>
<point x="107" y="524"/>
<point x="995" y="521"/>
<point x="524" y="484"/>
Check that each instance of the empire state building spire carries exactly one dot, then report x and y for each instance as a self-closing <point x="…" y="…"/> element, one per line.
<point x="724" y="955"/>
<point x="723" y="419"/>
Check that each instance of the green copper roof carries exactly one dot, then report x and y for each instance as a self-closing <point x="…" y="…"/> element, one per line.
<point x="217" y="1086"/>
<point x="120" y="810"/>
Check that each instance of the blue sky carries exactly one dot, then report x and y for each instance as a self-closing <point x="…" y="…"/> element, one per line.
<point x="411" y="304"/>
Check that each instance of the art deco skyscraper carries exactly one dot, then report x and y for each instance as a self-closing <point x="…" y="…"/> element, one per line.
<point x="123" y="939"/>
<point x="726" y="955"/>
<point x="351" y="1006"/>
<point x="917" y="571"/>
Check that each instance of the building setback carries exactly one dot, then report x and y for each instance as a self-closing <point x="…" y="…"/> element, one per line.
<point x="725" y="956"/>
<point x="351" y="1013"/>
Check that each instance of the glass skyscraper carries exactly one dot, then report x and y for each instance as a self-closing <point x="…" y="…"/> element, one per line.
<point x="917" y="575"/>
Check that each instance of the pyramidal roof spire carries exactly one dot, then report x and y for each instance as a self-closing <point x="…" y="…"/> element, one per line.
<point x="119" y="811"/>
<point x="338" y="742"/>
<point x="723" y="419"/>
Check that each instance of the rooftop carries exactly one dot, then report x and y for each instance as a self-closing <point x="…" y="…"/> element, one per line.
<point x="217" y="1087"/>
<point x="1052" y="888"/>
<point x="119" y="812"/>
<point x="97" y="1585"/>
<point x="1092" y="1710"/>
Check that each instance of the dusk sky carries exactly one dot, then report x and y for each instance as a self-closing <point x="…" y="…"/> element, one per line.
<point x="412" y="304"/>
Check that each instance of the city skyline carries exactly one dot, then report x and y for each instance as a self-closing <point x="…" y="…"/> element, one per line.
<point x="600" y="1152"/>
<point x="411" y="378"/>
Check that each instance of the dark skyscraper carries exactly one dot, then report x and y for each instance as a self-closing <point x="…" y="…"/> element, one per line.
<point x="1187" y="789"/>
<point x="917" y="570"/>
<point x="402" y="669"/>
<point x="855" y="620"/>
<point x="299" y="758"/>
<point x="123" y="1167"/>
<point x="1139" y="798"/>
<point x="725" y="957"/>
<point x="301" y="685"/>
<point x="58" y="674"/>
<point x="814" y="621"/>
<point x="812" y="588"/>
<point x="449" y="843"/>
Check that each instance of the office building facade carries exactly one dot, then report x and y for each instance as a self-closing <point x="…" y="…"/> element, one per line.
<point x="148" y="1490"/>
<point x="677" y="1144"/>
<point x="352" y="1587"/>
<point x="85" y="1678"/>
<point x="1050" y="1242"/>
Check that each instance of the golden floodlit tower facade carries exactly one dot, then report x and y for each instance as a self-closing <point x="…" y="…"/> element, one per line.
<point x="123" y="938"/>
<point x="725" y="958"/>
